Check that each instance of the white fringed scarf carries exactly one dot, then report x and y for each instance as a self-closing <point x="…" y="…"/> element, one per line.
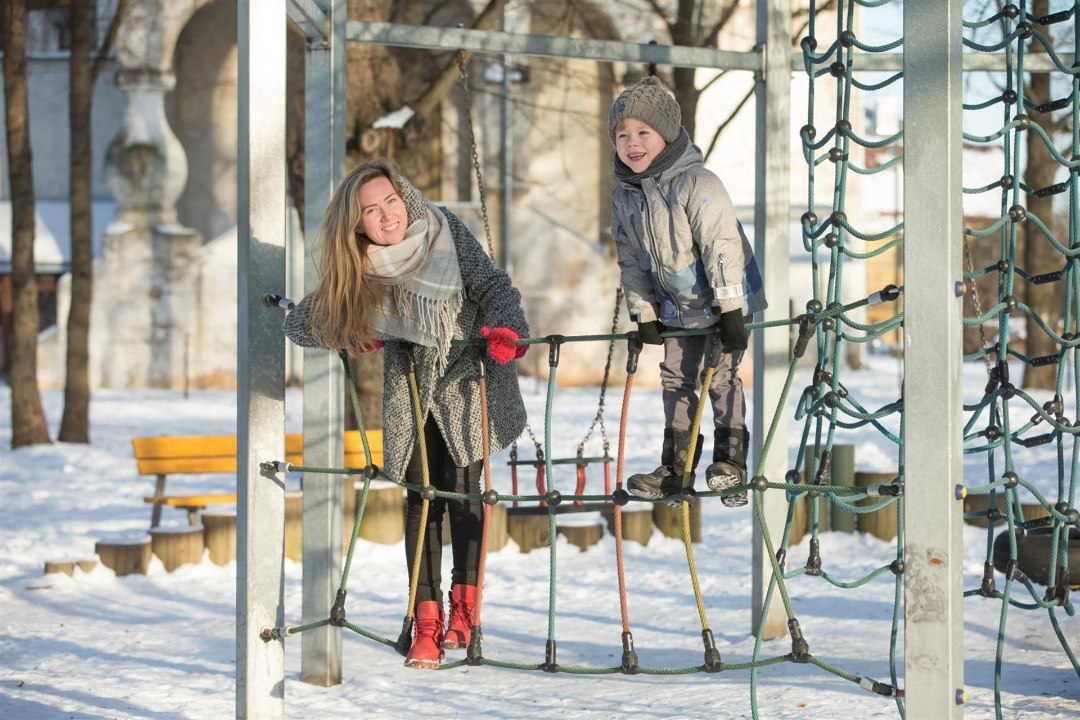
<point x="424" y="277"/>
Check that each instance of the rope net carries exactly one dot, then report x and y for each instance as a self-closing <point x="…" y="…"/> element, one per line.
<point x="837" y="248"/>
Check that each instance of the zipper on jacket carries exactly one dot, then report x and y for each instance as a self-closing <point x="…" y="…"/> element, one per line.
<point x="656" y="255"/>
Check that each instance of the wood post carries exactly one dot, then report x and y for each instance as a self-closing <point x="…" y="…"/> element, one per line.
<point x="294" y="525"/>
<point x="60" y="566"/>
<point x="87" y="564"/>
<point x="177" y="546"/>
<point x="582" y="534"/>
<point x="880" y="523"/>
<point x="637" y="523"/>
<point x="497" y="534"/>
<point x="125" y="557"/>
<point x="668" y="520"/>
<point x="800" y="521"/>
<point x="219" y="531"/>
<point x="842" y="473"/>
<point x="384" y="514"/>
<point x="528" y="531"/>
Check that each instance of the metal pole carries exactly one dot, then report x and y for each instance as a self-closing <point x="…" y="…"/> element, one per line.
<point x="506" y="134"/>
<point x="771" y="228"/>
<point x="932" y="451"/>
<point x="260" y="422"/>
<point x="324" y="166"/>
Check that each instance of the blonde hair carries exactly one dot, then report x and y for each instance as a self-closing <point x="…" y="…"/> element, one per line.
<point x="345" y="299"/>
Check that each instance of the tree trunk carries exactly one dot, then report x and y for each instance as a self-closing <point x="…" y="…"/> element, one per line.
<point x="27" y="416"/>
<point x="75" y="424"/>
<point x="1039" y="256"/>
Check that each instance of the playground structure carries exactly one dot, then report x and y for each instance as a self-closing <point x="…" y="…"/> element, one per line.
<point x="928" y="567"/>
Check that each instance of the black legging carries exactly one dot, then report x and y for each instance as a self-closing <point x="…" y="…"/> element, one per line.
<point x="466" y="517"/>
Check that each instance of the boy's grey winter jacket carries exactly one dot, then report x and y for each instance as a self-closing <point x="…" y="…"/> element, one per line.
<point x="681" y="248"/>
<point x="453" y="400"/>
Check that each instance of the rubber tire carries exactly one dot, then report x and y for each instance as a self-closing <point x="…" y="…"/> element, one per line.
<point x="1033" y="554"/>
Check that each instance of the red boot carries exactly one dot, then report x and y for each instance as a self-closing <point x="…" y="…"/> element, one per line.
<point x="462" y="607"/>
<point x="427" y="627"/>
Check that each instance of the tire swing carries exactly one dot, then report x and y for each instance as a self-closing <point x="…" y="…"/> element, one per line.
<point x="1033" y="554"/>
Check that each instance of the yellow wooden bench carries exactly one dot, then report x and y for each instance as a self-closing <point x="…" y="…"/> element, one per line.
<point x="204" y="454"/>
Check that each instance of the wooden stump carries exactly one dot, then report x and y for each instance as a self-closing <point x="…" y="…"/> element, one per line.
<point x="219" y="532"/>
<point x="497" y="534"/>
<point x="125" y="557"/>
<point x="176" y="546"/>
<point x="294" y="525"/>
<point x="580" y="532"/>
<point x="528" y="531"/>
<point x="981" y="503"/>
<point x="637" y="523"/>
<point x="384" y="514"/>
<point x="880" y="523"/>
<point x="60" y="566"/>
<point x="800" y="521"/>
<point x="668" y="520"/>
<point x="87" y="564"/>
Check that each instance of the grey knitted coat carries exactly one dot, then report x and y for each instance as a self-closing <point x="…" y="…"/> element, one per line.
<point x="453" y="399"/>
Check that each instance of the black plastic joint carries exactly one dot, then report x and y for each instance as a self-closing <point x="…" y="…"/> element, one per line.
<point x="1011" y="479"/>
<point x="988" y="588"/>
<point x="633" y="351"/>
<point x="759" y="483"/>
<point x="620" y="497"/>
<point x="688" y="496"/>
<point x="428" y="493"/>
<point x="490" y="497"/>
<point x="553" y="498"/>
<point x="337" y="613"/>
<point x="404" y="641"/>
<point x="554" y="343"/>
<point x="806" y="331"/>
<point x="781" y="558"/>
<point x="629" y="657"/>
<point x="549" y="658"/>
<point x="897" y="567"/>
<point x="475" y="654"/>
<point x="715" y="354"/>
<point x="371" y="471"/>
<point x="713" y="663"/>
<point x="800" y="650"/>
<point x="813" y="562"/>
<point x="1010" y="570"/>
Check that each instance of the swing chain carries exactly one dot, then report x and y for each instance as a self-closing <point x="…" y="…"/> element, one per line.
<point x="460" y="55"/>
<point x="978" y="304"/>
<point x="599" y="419"/>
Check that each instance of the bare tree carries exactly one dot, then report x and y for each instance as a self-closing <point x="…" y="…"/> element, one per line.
<point x="84" y="71"/>
<point x="28" y="425"/>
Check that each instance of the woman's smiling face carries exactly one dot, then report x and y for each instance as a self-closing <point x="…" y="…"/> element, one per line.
<point x="383" y="217"/>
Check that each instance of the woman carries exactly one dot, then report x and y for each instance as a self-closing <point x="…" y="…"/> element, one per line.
<point x="398" y="270"/>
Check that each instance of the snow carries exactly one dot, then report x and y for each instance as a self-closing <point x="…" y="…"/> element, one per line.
<point x="163" y="645"/>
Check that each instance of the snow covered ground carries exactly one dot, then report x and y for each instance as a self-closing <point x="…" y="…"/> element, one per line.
<point x="163" y="645"/>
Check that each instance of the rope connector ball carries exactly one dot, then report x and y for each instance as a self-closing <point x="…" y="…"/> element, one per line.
<point x="490" y="497"/>
<point x="620" y="497"/>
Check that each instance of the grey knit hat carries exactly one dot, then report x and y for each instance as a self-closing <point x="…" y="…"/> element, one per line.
<point x="649" y="101"/>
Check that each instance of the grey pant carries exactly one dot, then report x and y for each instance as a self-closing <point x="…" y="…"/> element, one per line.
<point x="683" y="371"/>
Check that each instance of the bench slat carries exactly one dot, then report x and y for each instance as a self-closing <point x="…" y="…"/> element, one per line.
<point x="183" y="501"/>
<point x="193" y="454"/>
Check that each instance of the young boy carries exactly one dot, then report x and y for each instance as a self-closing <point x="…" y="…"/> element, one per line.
<point x="685" y="264"/>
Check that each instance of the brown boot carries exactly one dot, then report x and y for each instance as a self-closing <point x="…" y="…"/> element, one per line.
<point x="459" y="626"/>
<point x="427" y="628"/>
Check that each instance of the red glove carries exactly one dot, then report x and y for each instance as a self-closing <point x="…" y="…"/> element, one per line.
<point x="502" y="344"/>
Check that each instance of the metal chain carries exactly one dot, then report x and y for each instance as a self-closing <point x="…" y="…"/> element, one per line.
<point x="978" y="304"/>
<point x="460" y="55"/>
<point x="599" y="419"/>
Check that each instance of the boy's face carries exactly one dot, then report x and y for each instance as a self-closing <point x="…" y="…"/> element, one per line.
<point x="637" y="144"/>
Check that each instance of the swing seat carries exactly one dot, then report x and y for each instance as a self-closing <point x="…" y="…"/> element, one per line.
<point x="541" y="485"/>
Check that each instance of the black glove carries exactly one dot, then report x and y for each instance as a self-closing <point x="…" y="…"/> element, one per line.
<point x="733" y="333"/>
<point x="649" y="332"/>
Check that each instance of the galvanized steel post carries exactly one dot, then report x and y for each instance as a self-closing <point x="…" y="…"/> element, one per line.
<point x="933" y="274"/>
<point x="772" y="209"/>
<point x="324" y="168"/>
<point x="260" y="411"/>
